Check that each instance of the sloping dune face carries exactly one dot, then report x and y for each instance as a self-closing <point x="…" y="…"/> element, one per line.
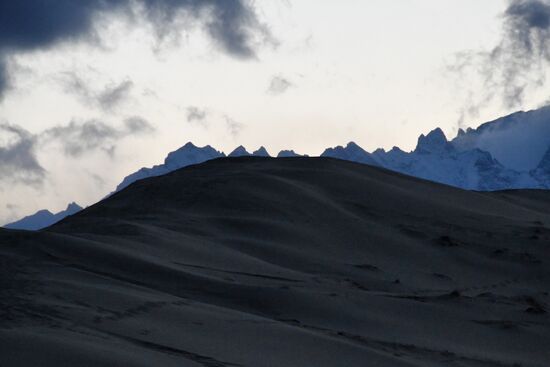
<point x="290" y="262"/>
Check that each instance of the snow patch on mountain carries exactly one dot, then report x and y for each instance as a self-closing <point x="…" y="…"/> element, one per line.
<point x="518" y="141"/>
<point x="464" y="163"/>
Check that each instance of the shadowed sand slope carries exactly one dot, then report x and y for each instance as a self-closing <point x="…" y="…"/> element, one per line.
<point x="283" y="262"/>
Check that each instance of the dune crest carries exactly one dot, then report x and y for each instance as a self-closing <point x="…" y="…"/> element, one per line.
<point x="256" y="261"/>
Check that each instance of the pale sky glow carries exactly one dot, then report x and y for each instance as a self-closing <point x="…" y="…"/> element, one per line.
<point x="373" y="72"/>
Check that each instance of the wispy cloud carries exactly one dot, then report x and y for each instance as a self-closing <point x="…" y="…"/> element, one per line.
<point x="279" y="85"/>
<point x="233" y="126"/>
<point x="77" y="138"/>
<point x="108" y="98"/>
<point x="115" y="94"/>
<point x="19" y="147"/>
<point x="18" y="162"/>
<point x="196" y="115"/>
<point x="517" y="64"/>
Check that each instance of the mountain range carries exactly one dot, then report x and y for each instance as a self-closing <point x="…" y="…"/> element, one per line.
<point x="43" y="218"/>
<point x="509" y="153"/>
<point x="512" y="152"/>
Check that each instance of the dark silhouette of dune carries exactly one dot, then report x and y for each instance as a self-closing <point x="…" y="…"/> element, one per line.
<point x="283" y="262"/>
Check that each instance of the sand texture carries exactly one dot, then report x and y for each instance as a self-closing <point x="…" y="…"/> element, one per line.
<point x="294" y="262"/>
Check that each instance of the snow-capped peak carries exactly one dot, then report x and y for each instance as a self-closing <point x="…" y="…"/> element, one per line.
<point x="287" y="154"/>
<point x="43" y="218"/>
<point x="434" y="142"/>
<point x="190" y="153"/>
<point x="73" y="208"/>
<point x="352" y="152"/>
<point x="352" y="146"/>
<point x="186" y="155"/>
<point x="240" y="151"/>
<point x="519" y="141"/>
<point x="261" y="152"/>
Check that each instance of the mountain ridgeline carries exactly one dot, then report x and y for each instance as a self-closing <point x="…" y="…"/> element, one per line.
<point x="509" y="153"/>
<point x="512" y="152"/>
<point x="43" y="218"/>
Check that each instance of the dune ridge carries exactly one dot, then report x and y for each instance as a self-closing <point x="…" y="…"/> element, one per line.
<point x="255" y="261"/>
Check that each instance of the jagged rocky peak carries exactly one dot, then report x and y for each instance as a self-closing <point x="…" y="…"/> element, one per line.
<point x="42" y="213"/>
<point x="287" y="154"/>
<point x="73" y="208"/>
<point x="261" y="152"/>
<point x="331" y="152"/>
<point x="354" y="147"/>
<point x="396" y="150"/>
<point x="351" y="152"/>
<point x="190" y="152"/>
<point x="350" y="148"/>
<point x="186" y="155"/>
<point x="434" y="142"/>
<point x="184" y="149"/>
<point x="240" y="151"/>
<point x="189" y="145"/>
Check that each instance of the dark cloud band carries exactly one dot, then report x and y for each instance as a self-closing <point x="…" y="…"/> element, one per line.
<point x="27" y="25"/>
<point x="524" y="51"/>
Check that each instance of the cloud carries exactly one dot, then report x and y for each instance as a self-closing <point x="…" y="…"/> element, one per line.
<point x="3" y="77"/>
<point x="279" y="85"/>
<point x="12" y="213"/>
<point x="196" y="115"/>
<point x="236" y="28"/>
<point x="77" y="138"/>
<point x="100" y="182"/>
<point x="233" y="126"/>
<point x="518" y="62"/>
<point x="18" y="162"/>
<point x="37" y="24"/>
<point x="108" y="98"/>
<point x="137" y="125"/>
<point x="18" y="147"/>
<point x="113" y="95"/>
<point x="524" y="52"/>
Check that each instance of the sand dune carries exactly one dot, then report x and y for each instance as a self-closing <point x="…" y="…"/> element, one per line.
<point x="283" y="262"/>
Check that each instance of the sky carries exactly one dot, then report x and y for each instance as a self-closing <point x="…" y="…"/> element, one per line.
<point x="91" y="91"/>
